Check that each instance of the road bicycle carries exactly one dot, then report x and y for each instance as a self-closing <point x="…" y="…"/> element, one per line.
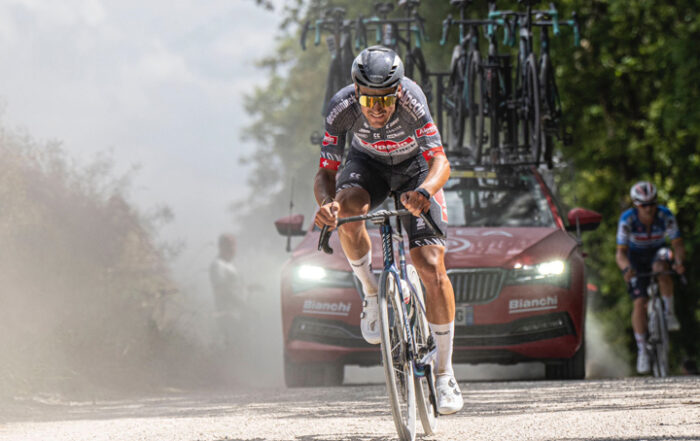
<point x="407" y="347"/>
<point x="657" y="343"/>
<point x="551" y="102"/>
<point x="339" y="43"/>
<point x="405" y="35"/>
<point x="463" y="99"/>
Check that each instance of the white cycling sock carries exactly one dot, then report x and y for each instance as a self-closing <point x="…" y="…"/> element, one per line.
<point x="443" y="335"/>
<point x="668" y="305"/>
<point x="641" y="341"/>
<point x="363" y="270"/>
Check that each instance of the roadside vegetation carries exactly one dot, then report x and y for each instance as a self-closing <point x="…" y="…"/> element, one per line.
<point x="88" y="303"/>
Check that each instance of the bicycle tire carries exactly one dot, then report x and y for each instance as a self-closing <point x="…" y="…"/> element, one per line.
<point x="493" y="92"/>
<point x="476" y="111"/>
<point x="455" y="99"/>
<point x="533" y="121"/>
<point x="427" y="410"/>
<point x="550" y="109"/>
<point x="658" y="340"/>
<point x="398" y="369"/>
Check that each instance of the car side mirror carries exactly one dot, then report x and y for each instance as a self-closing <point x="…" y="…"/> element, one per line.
<point x="290" y="225"/>
<point x="581" y="219"/>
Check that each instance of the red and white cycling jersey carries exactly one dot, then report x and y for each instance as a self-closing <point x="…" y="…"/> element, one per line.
<point x="410" y="130"/>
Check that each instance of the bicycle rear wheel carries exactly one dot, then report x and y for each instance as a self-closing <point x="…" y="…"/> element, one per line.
<point x="475" y="83"/>
<point x="532" y="124"/>
<point x="398" y="368"/>
<point x="658" y="339"/>
<point x="454" y="99"/>
<point x="424" y="385"/>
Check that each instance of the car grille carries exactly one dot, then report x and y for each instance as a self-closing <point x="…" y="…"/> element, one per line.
<point x="480" y="285"/>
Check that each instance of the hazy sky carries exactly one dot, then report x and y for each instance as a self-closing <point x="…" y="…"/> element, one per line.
<point x="159" y="82"/>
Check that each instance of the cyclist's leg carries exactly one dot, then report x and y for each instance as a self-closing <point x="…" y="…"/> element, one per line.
<point x="662" y="261"/>
<point x="359" y="187"/>
<point x="638" y="294"/>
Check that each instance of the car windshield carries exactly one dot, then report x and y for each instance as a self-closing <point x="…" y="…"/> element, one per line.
<point x="487" y="199"/>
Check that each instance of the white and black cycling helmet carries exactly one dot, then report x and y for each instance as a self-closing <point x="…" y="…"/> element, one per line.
<point x="377" y="67"/>
<point x="643" y="192"/>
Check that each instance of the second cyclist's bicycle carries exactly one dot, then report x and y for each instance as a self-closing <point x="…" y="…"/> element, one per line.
<point x="407" y="347"/>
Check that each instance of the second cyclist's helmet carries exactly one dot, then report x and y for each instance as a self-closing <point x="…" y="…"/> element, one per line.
<point x="377" y="67"/>
<point x="643" y="192"/>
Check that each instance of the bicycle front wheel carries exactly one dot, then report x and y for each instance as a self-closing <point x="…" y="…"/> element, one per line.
<point x="398" y="366"/>
<point x="658" y="340"/>
<point x="424" y="384"/>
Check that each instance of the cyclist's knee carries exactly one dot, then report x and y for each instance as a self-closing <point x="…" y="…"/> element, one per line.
<point x="659" y="266"/>
<point x="430" y="265"/>
<point x="353" y="202"/>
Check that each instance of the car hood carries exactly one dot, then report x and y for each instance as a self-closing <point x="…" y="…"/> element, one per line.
<point x="466" y="248"/>
<point x="490" y="247"/>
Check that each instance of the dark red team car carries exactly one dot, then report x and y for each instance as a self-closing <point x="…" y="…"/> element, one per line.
<point x="513" y="257"/>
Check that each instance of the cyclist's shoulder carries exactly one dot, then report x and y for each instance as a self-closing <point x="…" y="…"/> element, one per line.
<point x="343" y="102"/>
<point x="413" y="100"/>
<point x="664" y="211"/>
<point x="629" y="215"/>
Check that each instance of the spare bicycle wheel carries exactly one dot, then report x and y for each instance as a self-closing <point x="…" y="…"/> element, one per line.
<point x="398" y="368"/>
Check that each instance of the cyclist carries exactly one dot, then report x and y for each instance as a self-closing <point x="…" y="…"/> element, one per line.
<point x="641" y="248"/>
<point x="395" y="146"/>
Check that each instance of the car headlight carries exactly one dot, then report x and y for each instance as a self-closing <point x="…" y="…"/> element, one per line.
<point x="553" y="272"/>
<point x="312" y="276"/>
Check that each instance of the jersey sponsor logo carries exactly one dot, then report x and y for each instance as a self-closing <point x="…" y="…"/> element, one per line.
<point x="440" y="199"/>
<point x="329" y="164"/>
<point x="431" y="153"/>
<point x="516" y="306"/>
<point x="342" y="105"/>
<point x="329" y="139"/>
<point x="387" y="146"/>
<point x="412" y="103"/>
<point x="427" y="130"/>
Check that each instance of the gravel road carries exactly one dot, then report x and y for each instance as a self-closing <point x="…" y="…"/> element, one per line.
<point x="619" y="409"/>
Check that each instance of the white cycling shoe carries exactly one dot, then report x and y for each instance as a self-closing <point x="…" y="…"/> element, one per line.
<point x="449" y="396"/>
<point x="643" y="362"/>
<point x="369" y="320"/>
<point x="672" y="322"/>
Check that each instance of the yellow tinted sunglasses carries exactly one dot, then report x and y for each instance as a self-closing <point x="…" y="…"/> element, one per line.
<point x="382" y="100"/>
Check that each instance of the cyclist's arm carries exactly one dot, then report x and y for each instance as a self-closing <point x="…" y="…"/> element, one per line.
<point x="438" y="174"/>
<point x="324" y="186"/>
<point x="623" y="262"/>
<point x="679" y="254"/>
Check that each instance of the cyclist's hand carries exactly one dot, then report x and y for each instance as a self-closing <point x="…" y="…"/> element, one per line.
<point x="628" y="275"/>
<point x="679" y="268"/>
<point x="415" y="202"/>
<point x="327" y="215"/>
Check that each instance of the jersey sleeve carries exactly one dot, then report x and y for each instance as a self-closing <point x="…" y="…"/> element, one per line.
<point x="339" y="119"/>
<point x="426" y="132"/>
<point x="670" y="224"/>
<point x="623" y="231"/>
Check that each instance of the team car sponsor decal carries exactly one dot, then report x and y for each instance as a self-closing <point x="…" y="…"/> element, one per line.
<point x="435" y="151"/>
<point x="329" y="164"/>
<point x="516" y="306"/>
<point x="329" y="139"/>
<point x="457" y="244"/>
<point x="427" y="130"/>
<point x="386" y="146"/>
<point x="327" y="308"/>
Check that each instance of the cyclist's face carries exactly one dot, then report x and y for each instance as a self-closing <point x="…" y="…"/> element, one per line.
<point x="377" y="115"/>
<point x="646" y="212"/>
